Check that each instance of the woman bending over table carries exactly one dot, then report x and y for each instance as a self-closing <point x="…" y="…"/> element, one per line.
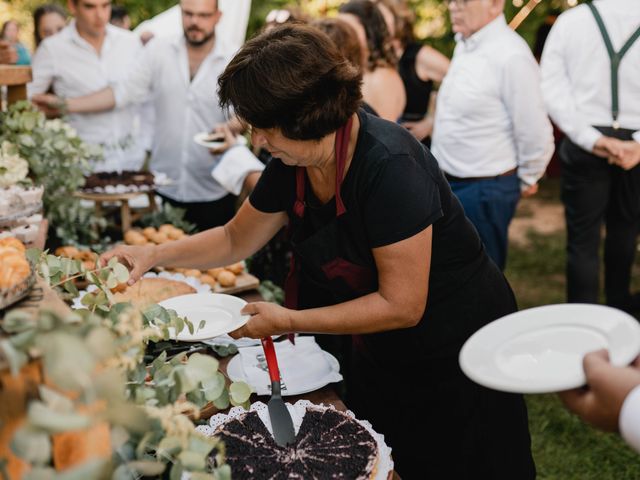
<point x="382" y="251"/>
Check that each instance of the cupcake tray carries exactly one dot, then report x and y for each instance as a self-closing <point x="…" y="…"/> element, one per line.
<point x="26" y="211"/>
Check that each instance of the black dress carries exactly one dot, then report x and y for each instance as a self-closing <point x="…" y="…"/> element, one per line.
<point x="418" y="91"/>
<point x="407" y="383"/>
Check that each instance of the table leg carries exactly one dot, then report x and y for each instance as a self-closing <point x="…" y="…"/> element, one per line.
<point x="125" y="213"/>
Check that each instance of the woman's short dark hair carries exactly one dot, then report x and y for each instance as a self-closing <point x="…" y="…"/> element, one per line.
<point x="344" y="37"/>
<point x="40" y="12"/>
<point x="292" y="78"/>
<point x="378" y="37"/>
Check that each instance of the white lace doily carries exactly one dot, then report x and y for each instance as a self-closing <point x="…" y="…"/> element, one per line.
<point x="192" y="281"/>
<point x="297" y="411"/>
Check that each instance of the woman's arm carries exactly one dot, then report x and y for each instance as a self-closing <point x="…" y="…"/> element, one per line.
<point x="431" y="64"/>
<point x="245" y="233"/>
<point x="403" y="284"/>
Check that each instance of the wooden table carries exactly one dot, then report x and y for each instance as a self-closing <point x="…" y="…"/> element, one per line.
<point x="16" y="79"/>
<point x="127" y="214"/>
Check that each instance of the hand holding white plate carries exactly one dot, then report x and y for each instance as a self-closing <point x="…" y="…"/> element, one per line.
<point x="219" y="313"/>
<point x="209" y="140"/>
<point x="540" y="350"/>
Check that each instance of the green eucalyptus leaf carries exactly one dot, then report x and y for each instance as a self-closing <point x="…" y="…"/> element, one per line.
<point x="32" y="445"/>
<point x="97" y="468"/>
<point x="131" y="417"/>
<point x="67" y="360"/>
<point x="54" y="400"/>
<point x="193" y="461"/>
<point x="197" y="398"/>
<point x="202" y="324"/>
<point x="239" y="392"/>
<point x="201" y="367"/>
<point x="46" y="418"/>
<point x="89" y="299"/>
<point x="123" y="472"/>
<point x="201" y="444"/>
<point x="169" y="447"/>
<point x="184" y="382"/>
<point x="111" y="281"/>
<point x="23" y="341"/>
<point x="233" y="349"/>
<point x="121" y="272"/>
<point x="113" y="261"/>
<point x="70" y="287"/>
<point x="16" y="321"/>
<point x="102" y="342"/>
<point x="222" y="473"/>
<point x="16" y="358"/>
<point x="176" y="471"/>
<point x="222" y="401"/>
<point x="33" y="255"/>
<point x="213" y="387"/>
<point x="147" y="468"/>
<point x="41" y="473"/>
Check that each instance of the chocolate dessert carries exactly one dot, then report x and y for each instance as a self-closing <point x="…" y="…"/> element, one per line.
<point x="133" y="180"/>
<point x="329" y="444"/>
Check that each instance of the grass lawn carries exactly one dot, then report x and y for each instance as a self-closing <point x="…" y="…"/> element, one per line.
<point x="564" y="448"/>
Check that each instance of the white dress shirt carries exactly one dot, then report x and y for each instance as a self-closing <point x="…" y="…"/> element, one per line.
<point x="629" y="421"/>
<point x="71" y="66"/>
<point x="576" y="72"/>
<point x="183" y="108"/>
<point x="490" y="117"/>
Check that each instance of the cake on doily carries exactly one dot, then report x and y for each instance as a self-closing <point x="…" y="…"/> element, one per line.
<point x="329" y="445"/>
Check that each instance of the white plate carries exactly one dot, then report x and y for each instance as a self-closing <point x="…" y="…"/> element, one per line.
<point x="201" y="139"/>
<point x="540" y="350"/>
<point x="236" y="373"/>
<point x="220" y="312"/>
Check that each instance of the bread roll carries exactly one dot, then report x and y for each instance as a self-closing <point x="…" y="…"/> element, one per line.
<point x="226" y="278"/>
<point x="12" y="242"/>
<point x="236" y="268"/>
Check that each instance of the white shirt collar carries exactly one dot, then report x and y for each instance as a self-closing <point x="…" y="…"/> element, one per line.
<point x="486" y="32"/>
<point x="219" y="48"/>
<point x="75" y="37"/>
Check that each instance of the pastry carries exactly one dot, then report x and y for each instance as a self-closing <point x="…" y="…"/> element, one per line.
<point x="215" y="271"/>
<point x="207" y="279"/>
<point x="67" y="251"/>
<point x="236" y="268"/>
<point x="148" y="291"/>
<point x="12" y="243"/>
<point x="149" y="232"/>
<point x="133" y="237"/>
<point x="125" y="181"/>
<point x="192" y="272"/>
<point x="176" y="234"/>
<point x="329" y="445"/>
<point x="226" y="278"/>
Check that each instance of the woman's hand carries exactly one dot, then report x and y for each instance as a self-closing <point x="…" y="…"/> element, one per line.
<point x="599" y="403"/>
<point x="266" y="319"/>
<point x="138" y="259"/>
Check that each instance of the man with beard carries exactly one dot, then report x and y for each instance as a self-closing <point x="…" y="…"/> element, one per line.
<point x="180" y="74"/>
<point x="88" y="55"/>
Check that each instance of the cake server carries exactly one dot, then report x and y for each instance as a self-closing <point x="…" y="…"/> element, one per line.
<point x="281" y="422"/>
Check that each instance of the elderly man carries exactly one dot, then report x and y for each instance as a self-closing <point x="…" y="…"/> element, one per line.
<point x="88" y="55"/>
<point x="181" y="73"/>
<point x="492" y="137"/>
<point x="590" y="81"/>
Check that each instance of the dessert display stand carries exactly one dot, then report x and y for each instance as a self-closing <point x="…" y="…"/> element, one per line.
<point x="128" y="215"/>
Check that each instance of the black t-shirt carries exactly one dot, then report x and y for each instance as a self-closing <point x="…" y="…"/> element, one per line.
<point x="393" y="190"/>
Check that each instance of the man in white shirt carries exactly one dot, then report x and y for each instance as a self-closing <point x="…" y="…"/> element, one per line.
<point x="88" y="55"/>
<point x="611" y="400"/>
<point x="596" y="102"/>
<point x="491" y="137"/>
<point x="181" y="75"/>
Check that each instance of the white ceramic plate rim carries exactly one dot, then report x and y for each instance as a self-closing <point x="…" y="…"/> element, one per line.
<point x="485" y="343"/>
<point x="199" y="138"/>
<point x="236" y="374"/>
<point x="234" y="304"/>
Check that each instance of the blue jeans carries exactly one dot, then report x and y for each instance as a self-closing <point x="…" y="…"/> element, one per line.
<point x="490" y="205"/>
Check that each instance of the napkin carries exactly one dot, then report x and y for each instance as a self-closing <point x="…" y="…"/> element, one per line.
<point x="303" y="367"/>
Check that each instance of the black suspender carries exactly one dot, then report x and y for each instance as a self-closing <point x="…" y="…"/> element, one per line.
<point x="615" y="58"/>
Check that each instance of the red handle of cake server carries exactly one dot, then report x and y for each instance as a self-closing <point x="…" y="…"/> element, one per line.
<point x="272" y="360"/>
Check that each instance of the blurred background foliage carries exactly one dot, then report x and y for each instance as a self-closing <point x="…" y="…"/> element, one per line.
<point x="432" y="25"/>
